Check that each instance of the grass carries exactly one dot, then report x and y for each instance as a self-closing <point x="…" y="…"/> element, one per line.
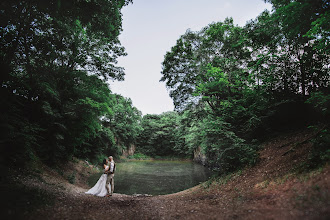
<point x="221" y="180"/>
<point x="282" y="179"/>
<point x="224" y="179"/>
<point x="209" y="182"/>
<point x="308" y="174"/>
<point x="139" y="156"/>
<point x="175" y="158"/>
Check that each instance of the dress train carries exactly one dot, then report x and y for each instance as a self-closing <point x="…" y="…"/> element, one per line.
<point x="99" y="188"/>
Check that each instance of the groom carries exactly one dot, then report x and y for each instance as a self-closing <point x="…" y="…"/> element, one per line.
<point x="110" y="177"/>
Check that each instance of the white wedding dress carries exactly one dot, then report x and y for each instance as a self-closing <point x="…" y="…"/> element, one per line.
<point x="99" y="188"/>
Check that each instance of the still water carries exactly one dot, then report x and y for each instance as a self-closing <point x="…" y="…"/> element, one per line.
<point x="156" y="177"/>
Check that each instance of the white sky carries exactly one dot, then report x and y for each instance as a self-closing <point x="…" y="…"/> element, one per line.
<point x="151" y="28"/>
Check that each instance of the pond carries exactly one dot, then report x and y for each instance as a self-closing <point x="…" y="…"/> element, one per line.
<point x="156" y="177"/>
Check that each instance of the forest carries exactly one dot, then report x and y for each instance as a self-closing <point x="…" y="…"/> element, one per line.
<point x="252" y="105"/>
<point x="232" y="86"/>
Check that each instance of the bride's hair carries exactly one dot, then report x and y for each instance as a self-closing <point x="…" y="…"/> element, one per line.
<point x="105" y="161"/>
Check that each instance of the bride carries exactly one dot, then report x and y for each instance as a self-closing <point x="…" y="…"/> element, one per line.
<point x="99" y="188"/>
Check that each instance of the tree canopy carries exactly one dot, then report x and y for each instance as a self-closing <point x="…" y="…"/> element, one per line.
<point x="57" y="57"/>
<point x="250" y="81"/>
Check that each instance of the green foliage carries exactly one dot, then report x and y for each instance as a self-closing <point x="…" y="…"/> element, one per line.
<point x="296" y="62"/>
<point x="180" y="70"/>
<point x="225" y="151"/>
<point x="97" y="160"/>
<point x="163" y="135"/>
<point x="139" y="156"/>
<point x="159" y="136"/>
<point x="227" y="82"/>
<point x="320" y="30"/>
<point x="188" y="64"/>
<point x="57" y="57"/>
<point x="320" y="101"/>
<point x="72" y="178"/>
<point x="234" y="84"/>
<point x="320" y="154"/>
<point x="125" y="121"/>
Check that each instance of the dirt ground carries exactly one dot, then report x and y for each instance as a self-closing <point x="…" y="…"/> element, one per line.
<point x="270" y="190"/>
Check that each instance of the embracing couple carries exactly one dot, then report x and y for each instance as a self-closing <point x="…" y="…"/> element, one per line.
<point x="106" y="184"/>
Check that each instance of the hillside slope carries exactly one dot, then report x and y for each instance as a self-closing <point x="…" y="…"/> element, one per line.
<point x="273" y="189"/>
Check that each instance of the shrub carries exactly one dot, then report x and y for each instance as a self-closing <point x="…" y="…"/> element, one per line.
<point x="72" y="178"/>
<point x="226" y="152"/>
<point x="320" y="153"/>
<point x="139" y="156"/>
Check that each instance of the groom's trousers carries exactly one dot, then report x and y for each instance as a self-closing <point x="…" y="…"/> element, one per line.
<point x="110" y="179"/>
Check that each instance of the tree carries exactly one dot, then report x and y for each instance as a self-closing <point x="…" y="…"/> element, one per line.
<point x="162" y="136"/>
<point x="293" y="61"/>
<point x="243" y="76"/>
<point x="125" y="121"/>
<point x="180" y="70"/>
<point x="220" y="44"/>
<point x="57" y="56"/>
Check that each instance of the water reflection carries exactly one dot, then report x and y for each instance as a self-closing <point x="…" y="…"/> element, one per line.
<point x="157" y="177"/>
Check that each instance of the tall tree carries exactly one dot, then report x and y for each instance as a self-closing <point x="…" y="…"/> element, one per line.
<point x="57" y="56"/>
<point x="180" y="70"/>
<point x="125" y="121"/>
<point x="160" y="135"/>
<point x="291" y="58"/>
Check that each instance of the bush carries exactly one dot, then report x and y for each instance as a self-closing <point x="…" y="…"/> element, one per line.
<point x="226" y="152"/>
<point x="72" y="178"/>
<point x="98" y="159"/>
<point x="320" y="101"/>
<point x="320" y="154"/>
<point x="139" y="156"/>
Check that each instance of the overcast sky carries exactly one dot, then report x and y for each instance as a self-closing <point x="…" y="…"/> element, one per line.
<point x="151" y="28"/>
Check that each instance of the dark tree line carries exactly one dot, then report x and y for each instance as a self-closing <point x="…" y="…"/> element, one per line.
<point x="56" y="58"/>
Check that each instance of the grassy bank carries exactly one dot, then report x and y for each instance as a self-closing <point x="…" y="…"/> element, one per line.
<point x="140" y="156"/>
